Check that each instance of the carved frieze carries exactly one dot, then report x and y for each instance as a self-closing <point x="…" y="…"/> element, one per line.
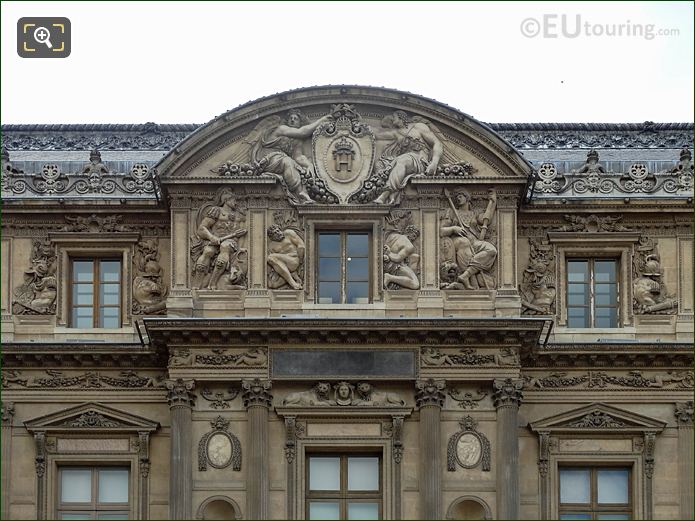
<point x="467" y="257"/>
<point x="286" y="250"/>
<point x="254" y="357"/>
<point x="442" y="357"/>
<point x="538" y="282"/>
<point x="648" y="289"/>
<point x="37" y="294"/>
<point x="89" y="380"/>
<point x="468" y="448"/>
<point x="95" y="223"/>
<point x="400" y="257"/>
<point x="600" y="380"/>
<point x="324" y="394"/>
<point x="593" y="224"/>
<point x="219" y="261"/>
<point x="219" y="448"/>
<point x="149" y="287"/>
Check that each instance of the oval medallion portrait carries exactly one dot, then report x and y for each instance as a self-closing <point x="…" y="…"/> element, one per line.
<point x="219" y="450"/>
<point x="469" y="450"/>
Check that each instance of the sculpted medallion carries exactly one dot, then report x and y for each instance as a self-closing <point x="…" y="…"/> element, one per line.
<point x="219" y="450"/>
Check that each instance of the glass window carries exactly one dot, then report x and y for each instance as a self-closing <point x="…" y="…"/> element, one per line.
<point x="94" y="493"/>
<point x="595" y="493"/>
<point x="344" y="486"/>
<point x="592" y="293"/>
<point x="96" y="293"/>
<point x="344" y="271"/>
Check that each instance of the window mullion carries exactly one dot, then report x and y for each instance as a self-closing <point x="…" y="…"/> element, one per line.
<point x="343" y="267"/>
<point x="96" y="289"/>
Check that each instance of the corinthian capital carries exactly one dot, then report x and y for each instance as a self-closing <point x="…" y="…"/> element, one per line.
<point x="256" y="392"/>
<point x="430" y="392"/>
<point x="684" y="413"/>
<point x="507" y="392"/>
<point x="180" y="392"/>
<point x="7" y="413"/>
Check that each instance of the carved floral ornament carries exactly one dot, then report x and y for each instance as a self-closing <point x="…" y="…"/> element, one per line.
<point x="468" y="448"/>
<point x="12" y="378"/>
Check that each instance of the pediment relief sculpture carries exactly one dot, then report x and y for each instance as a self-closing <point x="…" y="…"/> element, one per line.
<point x="325" y="394"/>
<point x="219" y="258"/>
<point x="468" y="258"/>
<point x="593" y="224"/>
<point x="401" y="260"/>
<point x="37" y="294"/>
<point x="286" y="250"/>
<point x="648" y="289"/>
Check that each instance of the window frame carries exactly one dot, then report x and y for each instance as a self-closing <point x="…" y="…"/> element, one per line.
<point x="343" y="496"/>
<point x="94" y="508"/>
<point x="594" y="508"/>
<point x="592" y="290"/>
<point x="344" y="234"/>
<point x="96" y="283"/>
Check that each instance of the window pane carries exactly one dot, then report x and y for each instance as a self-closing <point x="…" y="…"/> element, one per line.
<point x="605" y="271"/>
<point x="363" y="474"/>
<point x="82" y="295"/>
<point x="578" y="271"/>
<point x="110" y="271"/>
<point x="358" y="245"/>
<point x="113" y="486"/>
<point x="612" y="487"/>
<point x="324" y="474"/>
<point x="606" y="295"/>
<point x="606" y="317"/>
<point x="363" y="510"/>
<point x="358" y="293"/>
<point x="329" y="245"/>
<point x="112" y="516"/>
<point x="578" y="317"/>
<point x="109" y="295"/>
<point x="76" y="486"/>
<point x="321" y="510"/>
<point x="613" y="516"/>
<point x="575" y="486"/>
<point x="329" y="292"/>
<point x="357" y="269"/>
<point x="578" y="295"/>
<point x="110" y="317"/>
<point x="83" y="318"/>
<point x="575" y="516"/>
<point x="75" y="516"/>
<point x="83" y="271"/>
<point x="329" y="269"/>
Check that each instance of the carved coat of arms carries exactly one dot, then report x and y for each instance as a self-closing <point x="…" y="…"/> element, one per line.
<point x="343" y="150"/>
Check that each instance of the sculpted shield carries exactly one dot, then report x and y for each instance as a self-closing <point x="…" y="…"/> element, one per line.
<point x="343" y="152"/>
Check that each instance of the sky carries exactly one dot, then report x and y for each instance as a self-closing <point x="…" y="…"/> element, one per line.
<point x="187" y="62"/>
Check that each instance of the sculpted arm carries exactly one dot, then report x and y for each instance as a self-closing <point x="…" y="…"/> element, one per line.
<point x="205" y="225"/>
<point x="403" y="249"/>
<point x="432" y="140"/>
<point x="297" y="241"/>
<point x="301" y="132"/>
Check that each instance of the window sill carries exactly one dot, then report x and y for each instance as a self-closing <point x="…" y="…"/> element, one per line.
<point x="102" y="334"/>
<point x="566" y="334"/>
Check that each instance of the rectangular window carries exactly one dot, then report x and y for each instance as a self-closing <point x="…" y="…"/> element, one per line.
<point x="96" y="293"/>
<point x="592" y="293"/>
<point x="595" y="493"/>
<point x="344" y="486"/>
<point x="344" y="272"/>
<point x="93" y="493"/>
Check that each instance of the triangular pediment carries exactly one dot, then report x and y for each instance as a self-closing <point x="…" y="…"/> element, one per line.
<point x="93" y="417"/>
<point x="342" y="136"/>
<point x="598" y="417"/>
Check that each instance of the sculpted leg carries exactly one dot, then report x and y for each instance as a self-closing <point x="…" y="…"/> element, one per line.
<point x="276" y="261"/>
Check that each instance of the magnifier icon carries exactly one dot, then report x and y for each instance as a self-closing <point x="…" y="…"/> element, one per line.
<point x="43" y="35"/>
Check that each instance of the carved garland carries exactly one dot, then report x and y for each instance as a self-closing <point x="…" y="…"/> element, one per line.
<point x="206" y="457"/>
<point x="468" y="448"/>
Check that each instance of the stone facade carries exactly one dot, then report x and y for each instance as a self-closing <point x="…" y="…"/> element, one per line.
<point x="457" y="367"/>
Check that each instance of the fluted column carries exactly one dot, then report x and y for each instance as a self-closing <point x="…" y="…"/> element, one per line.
<point x="257" y="400"/>
<point x="181" y="400"/>
<point x="507" y="398"/>
<point x="7" y="417"/>
<point x="684" y="417"/>
<point x="429" y="398"/>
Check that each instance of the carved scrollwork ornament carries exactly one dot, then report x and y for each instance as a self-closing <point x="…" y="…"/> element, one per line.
<point x="8" y="412"/>
<point x="143" y="449"/>
<point x="395" y="431"/>
<point x="180" y="392"/>
<point x="219" y="399"/>
<point x="648" y="453"/>
<point x="430" y="392"/>
<point x="40" y="461"/>
<point x="468" y="448"/>
<point x="219" y="448"/>
<point x="507" y="392"/>
<point x="544" y="453"/>
<point x="466" y="399"/>
<point x="256" y="393"/>
<point x="684" y="413"/>
<point x="290" y="438"/>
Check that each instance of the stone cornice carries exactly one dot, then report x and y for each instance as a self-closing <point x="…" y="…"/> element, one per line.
<point x="609" y="355"/>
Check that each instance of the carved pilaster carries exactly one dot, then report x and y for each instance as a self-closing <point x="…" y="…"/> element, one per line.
<point x="290" y="454"/>
<point x="144" y="464"/>
<point x="181" y="399"/>
<point x="543" y="466"/>
<point x="257" y="400"/>
<point x="648" y="465"/>
<point x="430" y="392"/>
<point x="684" y="418"/>
<point x="429" y="397"/>
<point x="507" y="398"/>
<point x="8" y="412"/>
<point x="397" y="440"/>
<point x="40" y="464"/>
